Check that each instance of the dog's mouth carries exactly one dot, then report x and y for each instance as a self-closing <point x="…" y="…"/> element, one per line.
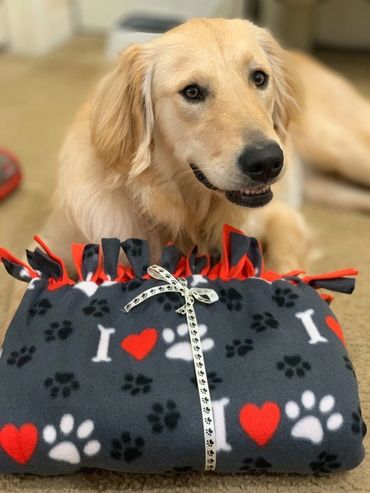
<point x="257" y="196"/>
<point x="199" y="175"/>
<point x="250" y="198"/>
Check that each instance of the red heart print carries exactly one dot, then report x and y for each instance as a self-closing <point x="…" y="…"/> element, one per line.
<point x="19" y="443"/>
<point x="140" y="345"/>
<point x="260" y="423"/>
<point x="335" y="327"/>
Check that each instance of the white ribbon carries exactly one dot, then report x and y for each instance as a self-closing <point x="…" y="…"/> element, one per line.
<point x="204" y="295"/>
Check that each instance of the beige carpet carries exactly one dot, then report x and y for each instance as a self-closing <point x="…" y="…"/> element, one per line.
<point x="37" y="101"/>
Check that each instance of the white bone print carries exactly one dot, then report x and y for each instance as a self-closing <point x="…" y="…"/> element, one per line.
<point x="310" y="326"/>
<point x="220" y="427"/>
<point x="103" y="347"/>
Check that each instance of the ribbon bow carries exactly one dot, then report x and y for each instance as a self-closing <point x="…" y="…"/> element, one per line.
<point x="204" y="295"/>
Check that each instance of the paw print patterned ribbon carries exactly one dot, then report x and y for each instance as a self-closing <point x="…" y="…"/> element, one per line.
<point x="204" y="295"/>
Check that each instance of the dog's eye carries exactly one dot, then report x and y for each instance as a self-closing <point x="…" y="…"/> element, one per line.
<point x="193" y="93"/>
<point x="259" y="79"/>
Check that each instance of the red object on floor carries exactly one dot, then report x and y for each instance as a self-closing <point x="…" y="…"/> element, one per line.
<point x="10" y="173"/>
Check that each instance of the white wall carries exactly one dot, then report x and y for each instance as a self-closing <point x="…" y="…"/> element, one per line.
<point x="38" y="26"/>
<point x="4" y="30"/>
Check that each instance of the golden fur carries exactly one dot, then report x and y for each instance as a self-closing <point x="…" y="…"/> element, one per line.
<point x="124" y="168"/>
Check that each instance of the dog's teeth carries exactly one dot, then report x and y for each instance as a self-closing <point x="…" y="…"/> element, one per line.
<point x="255" y="191"/>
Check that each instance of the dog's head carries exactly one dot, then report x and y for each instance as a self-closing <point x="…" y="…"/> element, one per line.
<point x="213" y="96"/>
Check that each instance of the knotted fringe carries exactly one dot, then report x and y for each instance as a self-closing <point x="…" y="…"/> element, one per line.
<point x="241" y="258"/>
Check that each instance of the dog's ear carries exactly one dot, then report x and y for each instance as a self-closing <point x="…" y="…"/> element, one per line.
<point x="287" y="90"/>
<point x="122" y="114"/>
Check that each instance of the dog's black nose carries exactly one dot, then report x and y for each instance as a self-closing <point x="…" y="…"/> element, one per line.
<point x="262" y="162"/>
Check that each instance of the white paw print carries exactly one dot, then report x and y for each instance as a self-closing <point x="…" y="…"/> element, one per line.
<point x="198" y="279"/>
<point x="182" y="349"/>
<point x="310" y="427"/>
<point x="24" y="274"/>
<point x="87" y="287"/>
<point x="66" y="450"/>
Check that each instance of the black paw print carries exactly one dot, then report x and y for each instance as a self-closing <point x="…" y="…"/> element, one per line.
<point x="58" y="331"/>
<point x="62" y="384"/>
<point x="212" y="378"/>
<point x="231" y="298"/>
<point x="255" y="465"/>
<point x="40" y="308"/>
<point x="134" y="248"/>
<point x="264" y="321"/>
<point x="136" y="385"/>
<point x="325" y="463"/>
<point x="164" y="416"/>
<point x="358" y="424"/>
<point x="131" y="285"/>
<point x="90" y="251"/>
<point x="348" y="365"/>
<point x="293" y="365"/>
<point x="97" y="308"/>
<point x="241" y="348"/>
<point x="170" y="301"/>
<point x="21" y="357"/>
<point x="126" y="447"/>
<point x="284" y="297"/>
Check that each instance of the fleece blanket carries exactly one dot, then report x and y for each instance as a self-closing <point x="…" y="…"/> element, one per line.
<point x="196" y="364"/>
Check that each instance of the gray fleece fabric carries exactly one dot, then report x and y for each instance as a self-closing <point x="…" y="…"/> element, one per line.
<point x="86" y="385"/>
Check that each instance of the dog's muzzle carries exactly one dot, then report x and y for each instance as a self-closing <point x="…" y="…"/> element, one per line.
<point x="253" y="197"/>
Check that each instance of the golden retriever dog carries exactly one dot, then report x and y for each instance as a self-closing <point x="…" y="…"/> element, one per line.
<point x="193" y="130"/>
<point x="189" y="131"/>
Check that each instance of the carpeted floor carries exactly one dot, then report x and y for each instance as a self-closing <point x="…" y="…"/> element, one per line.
<point x="37" y="101"/>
